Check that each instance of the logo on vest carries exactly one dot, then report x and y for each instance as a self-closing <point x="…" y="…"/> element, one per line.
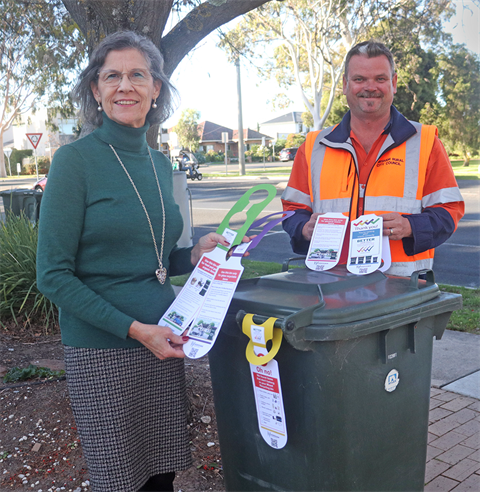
<point x="390" y="161"/>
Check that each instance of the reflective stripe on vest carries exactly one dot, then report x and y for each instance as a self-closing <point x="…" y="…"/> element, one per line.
<point x="394" y="185"/>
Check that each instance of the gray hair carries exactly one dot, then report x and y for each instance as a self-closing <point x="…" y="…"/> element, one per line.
<point x="370" y="49"/>
<point x="118" y="41"/>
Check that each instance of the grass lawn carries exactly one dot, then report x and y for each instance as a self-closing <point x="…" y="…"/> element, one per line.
<point x="470" y="172"/>
<point x="466" y="319"/>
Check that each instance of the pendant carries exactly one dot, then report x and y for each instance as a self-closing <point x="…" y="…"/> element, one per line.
<point x="161" y="274"/>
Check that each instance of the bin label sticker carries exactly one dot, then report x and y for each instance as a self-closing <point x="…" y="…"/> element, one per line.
<point x="365" y="251"/>
<point x="269" y="401"/>
<point x="391" y="381"/>
<point x="327" y="240"/>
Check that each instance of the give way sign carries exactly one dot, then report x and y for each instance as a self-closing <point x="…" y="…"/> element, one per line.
<point x="34" y="138"/>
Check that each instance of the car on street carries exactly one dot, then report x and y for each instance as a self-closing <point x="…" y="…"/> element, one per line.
<point x="40" y="184"/>
<point x="288" y="154"/>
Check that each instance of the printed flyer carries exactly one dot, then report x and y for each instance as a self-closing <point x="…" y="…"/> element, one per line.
<point x="366" y="238"/>
<point x="269" y="402"/>
<point x="327" y="240"/>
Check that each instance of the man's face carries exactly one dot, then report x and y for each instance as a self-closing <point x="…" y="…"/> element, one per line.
<point x="369" y="86"/>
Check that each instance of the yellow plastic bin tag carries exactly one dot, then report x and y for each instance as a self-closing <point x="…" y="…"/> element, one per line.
<point x="259" y="336"/>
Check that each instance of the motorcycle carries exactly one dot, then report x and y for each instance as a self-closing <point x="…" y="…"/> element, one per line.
<point x="188" y="162"/>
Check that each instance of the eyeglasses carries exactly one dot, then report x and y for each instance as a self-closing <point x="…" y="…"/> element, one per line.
<point x="113" y="78"/>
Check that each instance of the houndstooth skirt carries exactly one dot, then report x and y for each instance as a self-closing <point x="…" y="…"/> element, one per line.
<point x="130" y="412"/>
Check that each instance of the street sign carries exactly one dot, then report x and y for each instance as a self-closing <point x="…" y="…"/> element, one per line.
<point x="225" y="137"/>
<point x="34" y="138"/>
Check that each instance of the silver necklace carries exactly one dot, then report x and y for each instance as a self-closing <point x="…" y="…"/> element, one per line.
<point x="161" y="272"/>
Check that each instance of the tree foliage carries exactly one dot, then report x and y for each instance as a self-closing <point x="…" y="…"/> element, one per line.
<point x="39" y="47"/>
<point x="310" y="38"/>
<point x="187" y="129"/>
<point x="457" y="112"/>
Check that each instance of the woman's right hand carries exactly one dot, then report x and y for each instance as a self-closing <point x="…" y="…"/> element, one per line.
<point x="160" y="340"/>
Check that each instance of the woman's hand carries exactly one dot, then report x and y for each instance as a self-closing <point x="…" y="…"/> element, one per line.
<point x="160" y="340"/>
<point x="209" y="242"/>
<point x="206" y="244"/>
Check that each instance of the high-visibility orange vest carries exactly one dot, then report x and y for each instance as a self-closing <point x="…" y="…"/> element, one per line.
<point x="395" y="184"/>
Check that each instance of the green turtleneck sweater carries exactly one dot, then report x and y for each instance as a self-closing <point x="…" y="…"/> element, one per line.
<point x="96" y="258"/>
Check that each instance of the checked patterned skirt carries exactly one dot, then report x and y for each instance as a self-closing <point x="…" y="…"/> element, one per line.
<point x="130" y="411"/>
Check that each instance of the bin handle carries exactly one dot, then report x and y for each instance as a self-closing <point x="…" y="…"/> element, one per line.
<point x="429" y="275"/>
<point x="258" y="319"/>
<point x="286" y="262"/>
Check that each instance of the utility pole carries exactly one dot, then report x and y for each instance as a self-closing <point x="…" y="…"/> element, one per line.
<point x="241" y="146"/>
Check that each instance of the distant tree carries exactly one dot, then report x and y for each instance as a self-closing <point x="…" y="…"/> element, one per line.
<point x="294" y="140"/>
<point x="457" y="112"/>
<point x="187" y="129"/>
<point x="39" y="47"/>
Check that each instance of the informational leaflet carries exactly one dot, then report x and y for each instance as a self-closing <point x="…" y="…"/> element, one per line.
<point x="365" y="252"/>
<point x="386" y="254"/>
<point x="327" y="240"/>
<point x="269" y="401"/>
<point x="208" y="319"/>
<point x="266" y="379"/>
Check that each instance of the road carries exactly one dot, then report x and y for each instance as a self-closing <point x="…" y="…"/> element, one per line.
<point x="457" y="261"/>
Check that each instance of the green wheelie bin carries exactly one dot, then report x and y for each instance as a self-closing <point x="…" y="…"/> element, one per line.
<point x="24" y="202"/>
<point x="343" y="337"/>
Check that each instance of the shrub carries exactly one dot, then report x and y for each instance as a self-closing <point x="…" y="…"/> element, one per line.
<point x="200" y="157"/>
<point x="20" y="298"/>
<point x="294" y="140"/>
<point x="43" y="164"/>
<point x="18" y="156"/>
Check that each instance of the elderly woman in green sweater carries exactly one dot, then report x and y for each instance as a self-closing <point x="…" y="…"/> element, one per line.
<point x="107" y="246"/>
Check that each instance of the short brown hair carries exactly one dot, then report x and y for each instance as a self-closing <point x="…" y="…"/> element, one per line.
<point x="370" y="49"/>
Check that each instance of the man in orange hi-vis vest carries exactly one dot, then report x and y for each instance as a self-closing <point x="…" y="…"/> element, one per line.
<point x="376" y="161"/>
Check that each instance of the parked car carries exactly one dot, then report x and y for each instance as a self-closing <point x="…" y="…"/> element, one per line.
<point x="40" y="184"/>
<point x="288" y="154"/>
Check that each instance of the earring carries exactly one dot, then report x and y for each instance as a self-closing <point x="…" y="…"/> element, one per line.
<point x="99" y="107"/>
<point x="154" y="105"/>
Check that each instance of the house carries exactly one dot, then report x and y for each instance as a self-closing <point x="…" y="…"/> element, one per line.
<point x="281" y="126"/>
<point x="211" y="138"/>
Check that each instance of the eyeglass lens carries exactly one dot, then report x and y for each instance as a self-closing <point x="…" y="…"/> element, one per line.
<point x="136" y="77"/>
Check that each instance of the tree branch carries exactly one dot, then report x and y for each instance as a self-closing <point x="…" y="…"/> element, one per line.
<point x="198" y="24"/>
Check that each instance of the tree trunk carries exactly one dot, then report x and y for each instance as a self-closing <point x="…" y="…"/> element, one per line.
<point x="3" y="169"/>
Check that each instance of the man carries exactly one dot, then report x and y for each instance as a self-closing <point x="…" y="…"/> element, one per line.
<point x="376" y="161"/>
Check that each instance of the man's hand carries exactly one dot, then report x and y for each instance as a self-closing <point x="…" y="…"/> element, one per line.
<point x="308" y="228"/>
<point x="395" y="226"/>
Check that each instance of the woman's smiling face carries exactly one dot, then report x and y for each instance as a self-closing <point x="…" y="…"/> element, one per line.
<point x="125" y="102"/>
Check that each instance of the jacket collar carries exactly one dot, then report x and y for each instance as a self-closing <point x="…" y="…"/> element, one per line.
<point x="399" y="129"/>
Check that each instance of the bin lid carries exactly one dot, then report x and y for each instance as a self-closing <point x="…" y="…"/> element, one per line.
<point x="333" y="297"/>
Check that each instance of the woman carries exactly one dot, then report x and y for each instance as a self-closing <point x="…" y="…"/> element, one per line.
<point x="107" y="245"/>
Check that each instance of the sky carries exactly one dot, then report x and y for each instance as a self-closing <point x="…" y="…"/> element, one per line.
<point x="207" y="82"/>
